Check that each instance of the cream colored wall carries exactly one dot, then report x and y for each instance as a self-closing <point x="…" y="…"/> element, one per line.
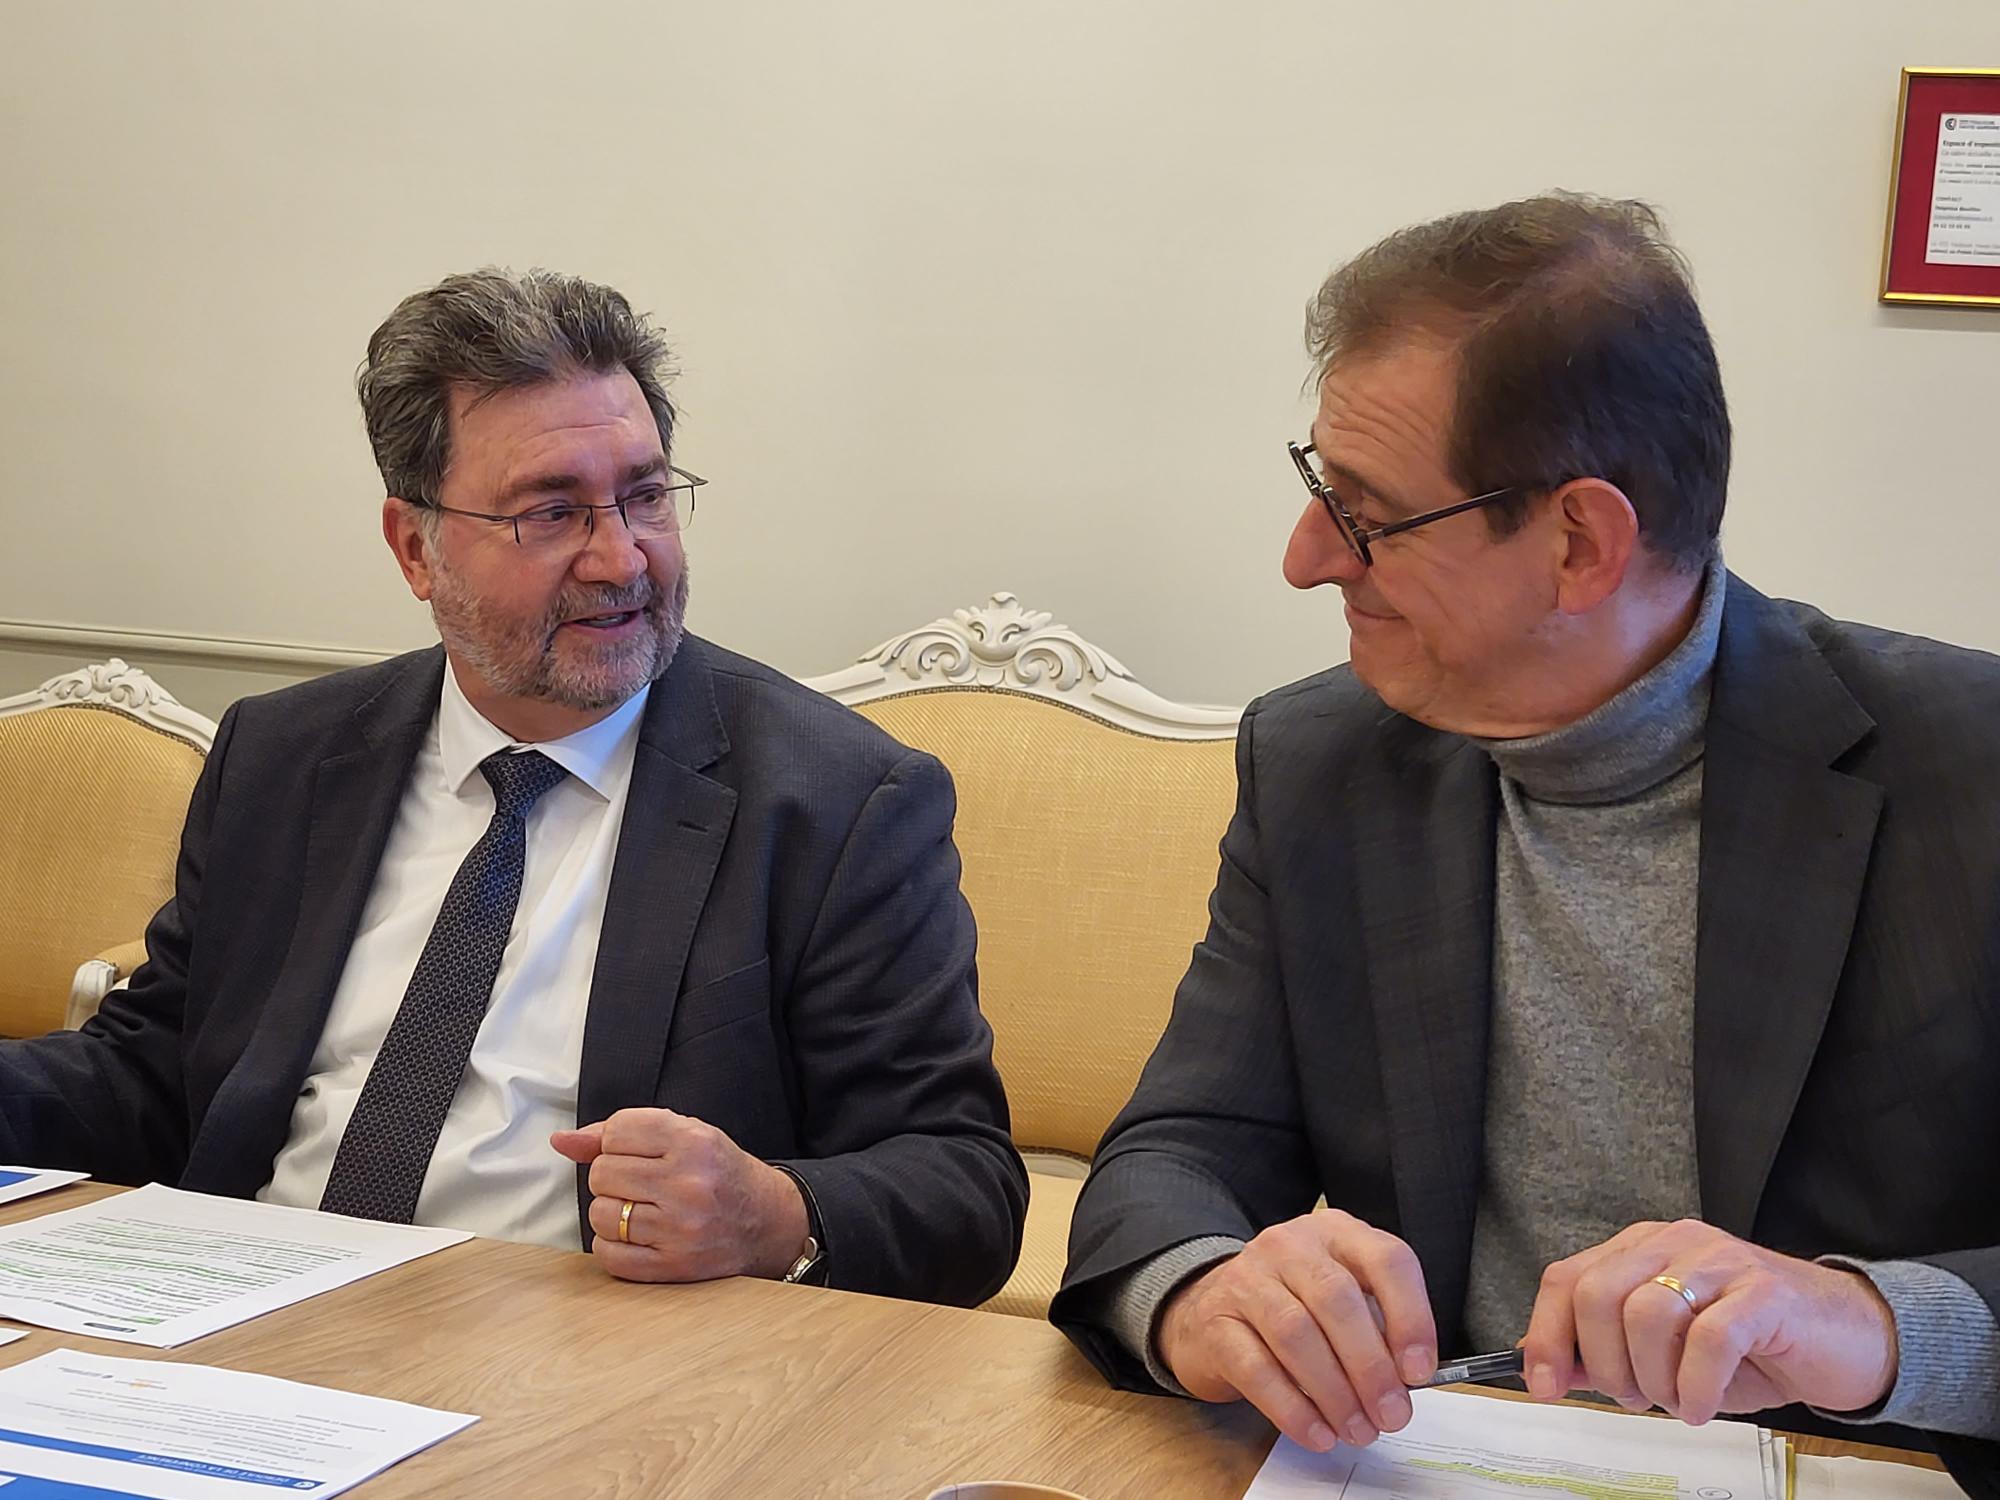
<point x="967" y="296"/>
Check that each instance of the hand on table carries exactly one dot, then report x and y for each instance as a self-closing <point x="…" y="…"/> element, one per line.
<point x="1287" y="1325"/>
<point x="701" y="1206"/>
<point x="1764" y="1329"/>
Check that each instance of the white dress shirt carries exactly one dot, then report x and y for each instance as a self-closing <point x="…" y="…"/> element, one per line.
<point x="493" y="1171"/>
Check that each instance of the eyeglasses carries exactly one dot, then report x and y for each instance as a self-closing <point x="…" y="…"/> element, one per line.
<point x="1350" y="528"/>
<point x="656" y="511"/>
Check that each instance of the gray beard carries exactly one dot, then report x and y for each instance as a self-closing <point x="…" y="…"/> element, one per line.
<point x="518" y="660"/>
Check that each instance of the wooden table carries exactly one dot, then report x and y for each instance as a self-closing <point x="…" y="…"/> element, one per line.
<point x="586" y="1386"/>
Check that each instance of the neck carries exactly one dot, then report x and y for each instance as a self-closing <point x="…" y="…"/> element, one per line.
<point x="1584" y="662"/>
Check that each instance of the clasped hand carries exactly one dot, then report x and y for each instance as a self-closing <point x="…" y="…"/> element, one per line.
<point x="1321" y="1322"/>
<point x="701" y="1207"/>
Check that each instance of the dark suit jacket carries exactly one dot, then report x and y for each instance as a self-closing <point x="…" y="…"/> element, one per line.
<point x="1331" y="1034"/>
<point x="785" y="954"/>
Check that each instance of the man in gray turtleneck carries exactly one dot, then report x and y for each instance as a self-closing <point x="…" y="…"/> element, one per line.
<point x="1613" y="948"/>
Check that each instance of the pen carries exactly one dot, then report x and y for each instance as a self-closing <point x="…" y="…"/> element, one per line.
<point x="1475" y="1367"/>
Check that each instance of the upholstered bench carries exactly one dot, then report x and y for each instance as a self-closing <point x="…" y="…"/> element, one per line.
<point x="1089" y="811"/>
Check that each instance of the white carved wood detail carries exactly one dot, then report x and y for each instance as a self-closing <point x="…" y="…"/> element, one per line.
<point x="1002" y="646"/>
<point x="121" y="688"/>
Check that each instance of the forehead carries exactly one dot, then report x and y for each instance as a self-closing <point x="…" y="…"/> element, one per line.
<point x="582" y="418"/>
<point x="1406" y="389"/>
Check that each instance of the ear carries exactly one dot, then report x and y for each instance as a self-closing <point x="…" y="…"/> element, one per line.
<point x="1600" y="534"/>
<point x="402" y="529"/>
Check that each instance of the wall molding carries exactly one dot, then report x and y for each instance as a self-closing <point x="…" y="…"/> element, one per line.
<point x="96" y="641"/>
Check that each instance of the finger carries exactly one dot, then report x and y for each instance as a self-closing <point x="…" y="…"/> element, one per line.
<point x="1656" y="1323"/>
<point x="644" y="1132"/>
<point x="1599" y="1303"/>
<point x="1548" y="1353"/>
<point x="1389" y="1271"/>
<point x="1243" y="1359"/>
<point x="646" y="1226"/>
<point x="643" y="1177"/>
<point x="1339" y="1306"/>
<point x="1716" y="1345"/>
<point x="641" y="1262"/>
<point x="1618" y="1268"/>
<point x="1310" y="1299"/>
<point x="579" y="1145"/>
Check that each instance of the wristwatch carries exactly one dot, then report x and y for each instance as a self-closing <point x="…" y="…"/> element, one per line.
<point x="809" y="1258"/>
<point x="812" y="1259"/>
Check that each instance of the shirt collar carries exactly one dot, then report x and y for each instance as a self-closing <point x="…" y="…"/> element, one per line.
<point x="600" y="757"/>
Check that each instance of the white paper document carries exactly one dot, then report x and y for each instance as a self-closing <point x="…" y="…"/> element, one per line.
<point x="1860" y="1479"/>
<point x="83" y="1425"/>
<point x="25" y="1182"/>
<point x="159" y="1267"/>
<point x="1462" y="1447"/>
<point x="1965" y="193"/>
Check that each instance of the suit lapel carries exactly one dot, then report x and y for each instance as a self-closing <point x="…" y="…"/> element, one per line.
<point x="1423" y="866"/>
<point x="356" y="790"/>
<point x="1785" y="843"/>
<point x="676" y="824"/>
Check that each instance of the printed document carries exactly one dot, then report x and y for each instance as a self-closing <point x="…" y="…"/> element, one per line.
<point x="1463" y="1447"/>
<point x="25" y="1182"/>
<point x="1859" y="1479"/>
<point x="84" y="1425"/>
<point x="159" y="1266"/>
<point x="1965" y="193"/>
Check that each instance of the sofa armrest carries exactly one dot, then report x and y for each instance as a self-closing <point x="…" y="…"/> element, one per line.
<point x="97" y="977"/>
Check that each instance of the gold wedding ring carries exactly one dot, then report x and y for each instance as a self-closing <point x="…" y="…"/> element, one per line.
<point x="1681" y="1290"/>
<point x="625" y="1223"/>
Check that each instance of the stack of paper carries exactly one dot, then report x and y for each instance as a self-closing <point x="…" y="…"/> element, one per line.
<point x="1464" y="1447"/>
<point x="86" y="1427"/>
<point x="159" y="1266"/>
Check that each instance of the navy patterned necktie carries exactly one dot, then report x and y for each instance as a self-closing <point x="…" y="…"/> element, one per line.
<point x="379" y="1168"/>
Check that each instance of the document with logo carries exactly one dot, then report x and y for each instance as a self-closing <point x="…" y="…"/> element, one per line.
<point x="1965" y="193"/>
<point x="25" y="1182"/>
<point x="87" y="1427"/>
<point x="159" y="1267"/>
<point x="1486" y="1448"/>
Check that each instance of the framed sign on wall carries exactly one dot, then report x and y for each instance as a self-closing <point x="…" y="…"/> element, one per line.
<point x="1943" y="240"/>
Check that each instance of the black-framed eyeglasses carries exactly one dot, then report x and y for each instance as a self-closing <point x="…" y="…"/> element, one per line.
<point x="1350" y="528"/>
<point x="657" y="510"/>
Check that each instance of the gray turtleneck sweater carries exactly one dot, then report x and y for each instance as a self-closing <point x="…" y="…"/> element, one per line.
<point x="1591" y="1051"/>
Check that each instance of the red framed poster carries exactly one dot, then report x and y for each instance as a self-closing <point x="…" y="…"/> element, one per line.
<point x="1943" y="240"/>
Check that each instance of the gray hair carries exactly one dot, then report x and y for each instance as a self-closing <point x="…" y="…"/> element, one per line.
<point x="489" y="331"/>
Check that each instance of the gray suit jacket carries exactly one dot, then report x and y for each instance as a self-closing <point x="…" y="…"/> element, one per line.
<point x="785" y="954"/>
<point x="1331" y="1033"/>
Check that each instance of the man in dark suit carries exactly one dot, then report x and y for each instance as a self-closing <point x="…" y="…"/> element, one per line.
<point x="1614" y="948"/>
<point x="578" y="888"/>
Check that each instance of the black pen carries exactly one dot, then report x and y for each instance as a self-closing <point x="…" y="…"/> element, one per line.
<point x="1474" y="1368"/>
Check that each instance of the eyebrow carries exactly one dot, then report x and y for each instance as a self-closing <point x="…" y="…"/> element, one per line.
<point x="543" y="484"/>
<point x="1364" y="489"/>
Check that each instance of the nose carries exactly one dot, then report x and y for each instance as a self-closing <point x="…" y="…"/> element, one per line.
<point x="1318" y="553"/>
<point x="611" y="554"/>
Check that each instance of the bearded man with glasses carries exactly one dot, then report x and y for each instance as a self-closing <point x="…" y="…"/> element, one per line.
<point x="579" y="930"/>
<point x="1615" y="950"/>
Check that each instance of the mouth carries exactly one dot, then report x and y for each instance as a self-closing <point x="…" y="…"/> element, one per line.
<point x="611" y="623"/>
<point x="1355" y="612"/>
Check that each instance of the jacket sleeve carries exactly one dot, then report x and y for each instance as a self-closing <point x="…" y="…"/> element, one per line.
<point x="109" y="1099"/>
<point x="906" y="1153"/>
<point x="1213" y="1142"/>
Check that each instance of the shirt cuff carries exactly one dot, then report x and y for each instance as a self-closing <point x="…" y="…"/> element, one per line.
<point x="1947" y="1350"/>
<point x="1132" y="1307"/>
